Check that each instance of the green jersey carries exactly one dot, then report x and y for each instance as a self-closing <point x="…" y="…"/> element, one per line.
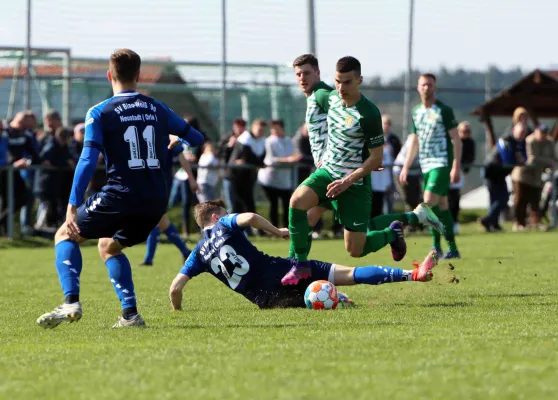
<point x="316" y="120"/>
<point x="432" y="126"/>
<point x="351" y="132"/>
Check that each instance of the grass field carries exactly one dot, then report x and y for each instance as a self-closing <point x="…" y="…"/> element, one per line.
<point x="493" y="335"/>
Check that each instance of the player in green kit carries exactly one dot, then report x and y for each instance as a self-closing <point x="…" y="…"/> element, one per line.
<point x="435" y="139"/>
<point x="342" y="181"/>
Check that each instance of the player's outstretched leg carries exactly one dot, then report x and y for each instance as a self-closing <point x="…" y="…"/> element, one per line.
<point x="68" y="265"/>
<point x="151" y="246"/>
<point x="393" y="235"/>
<point x="120" y="274"/>
<point x="377" y="275"/>
<point x="422" y="214"/>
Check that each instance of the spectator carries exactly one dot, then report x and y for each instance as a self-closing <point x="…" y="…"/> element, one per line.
<point x="224" y="151"/>
<point x="382" y="182"/>
<point x="21" y="153"/>
<point x="411" y="192"/>
<point x="467" y="158"/>
<point x="301" y="143"/>
<point x="249" y="151"/>
<point x="509" y="151"/>
<point x="207" y="178"/>
<point x="393" y="147"/>
<point x="527" y="179"/>
<point x="28" y="176"/>
<point x="278" y="183"/>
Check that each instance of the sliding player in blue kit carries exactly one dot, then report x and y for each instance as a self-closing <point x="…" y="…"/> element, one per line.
<point x="132" y="131"/>
<point x="225" y="252"/>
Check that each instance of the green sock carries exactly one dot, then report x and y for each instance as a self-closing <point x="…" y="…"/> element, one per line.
<point x="309" y="241"/>
<point x="447" y="220"/>
<point x="298" y="229"/>
<point x="292" y="248"/>
<point x="382" y="221"/>
<point x="376" y="240"/>
<point x="436" y="238"/>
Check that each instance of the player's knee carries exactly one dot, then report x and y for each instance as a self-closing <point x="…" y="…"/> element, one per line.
<point x="354" y="250"/>
<point x="61" y="234"/>
<point x="303" y="199"/>
<point x="108" y="247"/>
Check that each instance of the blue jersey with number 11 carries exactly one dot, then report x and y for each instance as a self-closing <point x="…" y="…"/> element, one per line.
<point x="132" y="132"/>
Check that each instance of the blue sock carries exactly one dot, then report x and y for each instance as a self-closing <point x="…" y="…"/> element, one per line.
<point x="175" y="239"/>
<point x="376" y="275"/>
<point x="152" y="241"/>
<point x="120" y="274"/>
<point x="68" y="264"/>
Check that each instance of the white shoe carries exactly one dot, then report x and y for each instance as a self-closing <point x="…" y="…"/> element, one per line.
<point x="456" y="228"/>
<point x="63" y="313"/>
<point x="427" y="217"/>
<point x="136" y="320"/>
<point x="316" y="236"/>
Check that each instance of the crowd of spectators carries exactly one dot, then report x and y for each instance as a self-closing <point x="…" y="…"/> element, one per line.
<point x="263" y="155"/>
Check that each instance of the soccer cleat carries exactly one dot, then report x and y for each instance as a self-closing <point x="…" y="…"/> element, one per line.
<point x="427" y="217"/>
<point x="136" y="320"/>
<point x="300" y="270"/>
<point x="145" y="264"/>
<point x="451" y="254"/>
<point x="437" y="250"/>
<point x="344" y="300"/>
<point x="398" y="246"/>
<point x="423" y="271"/>
<point x="63" y="313"/>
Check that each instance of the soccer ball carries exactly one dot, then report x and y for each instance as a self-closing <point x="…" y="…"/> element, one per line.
<point x="321" y="295"/>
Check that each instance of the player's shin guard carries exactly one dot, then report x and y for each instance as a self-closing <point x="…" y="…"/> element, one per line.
<point x="120" y="274"/>
<point x="447" y="220"/>
<point x="151" y="243"/>
<point x="68" y="264"/>
<point x="298" y="230"/>
<point x="376" y="240"/>
<point x="383" y="221"/>
<point x="175" y="239"/>
<point x="376" y="275"/>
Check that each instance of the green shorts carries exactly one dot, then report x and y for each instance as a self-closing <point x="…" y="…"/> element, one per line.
<point x="437" y="181"/>
<point x="352" y="207"/>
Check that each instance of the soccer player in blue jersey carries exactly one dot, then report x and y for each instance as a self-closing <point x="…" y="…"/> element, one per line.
<point x="226" y="253"/>
<point x="132" y="131"/>
<point x="165" y="225"/>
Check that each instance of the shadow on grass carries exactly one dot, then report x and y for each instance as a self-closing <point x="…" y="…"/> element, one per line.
<point x="517" y="295"/>
<point x="317" y="324"/>
<point x="455" y="304"/>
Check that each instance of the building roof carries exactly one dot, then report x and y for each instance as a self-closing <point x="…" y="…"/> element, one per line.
<point x="537" y="92"/>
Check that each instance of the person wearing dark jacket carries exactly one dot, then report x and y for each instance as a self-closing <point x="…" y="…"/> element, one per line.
<point x="21" y="153"/>
<point x="249" y="150"/>
<point x="301" y="143"/>
<point x="225" y="148"/>
<point x="467" y="158"/>
<point x="509" y="151"/>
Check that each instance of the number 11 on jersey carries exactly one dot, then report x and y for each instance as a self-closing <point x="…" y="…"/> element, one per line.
<point x="136" y="162"/>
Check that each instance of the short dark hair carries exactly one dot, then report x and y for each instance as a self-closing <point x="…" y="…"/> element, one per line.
<point x="306" y="59"/>
<point x="348" y="64"/>
<point x="429" y="76"/>
<point x="193" y="121"/>
<point x="239" y="122"/>
<point x="203" y="211"/>
<point x="124" y="65"/>
<point x="51" y="114"/>
<point x="278" y="122"/>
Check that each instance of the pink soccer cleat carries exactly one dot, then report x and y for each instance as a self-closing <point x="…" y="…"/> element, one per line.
<point x="423" y="272"/>
<point x="300" y="270"/>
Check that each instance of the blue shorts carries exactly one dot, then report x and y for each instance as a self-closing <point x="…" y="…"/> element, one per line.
<point x="103" y="216"/>
<point x="273" y="294"/>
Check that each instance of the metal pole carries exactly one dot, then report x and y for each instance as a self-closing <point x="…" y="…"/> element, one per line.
<point x="28" y="59"/>
<point x="223" y="100"/>
<point x="407" y="94"/>
<point x="11" y="199"/>
<point x="274" y="94"/>
<point x="487" y="94"/>
<point x="311" y="27"/>
<point x="245" y="106"/>
<point x="66" y="91"/>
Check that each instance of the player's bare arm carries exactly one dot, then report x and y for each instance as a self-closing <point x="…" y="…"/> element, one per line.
<point x="258" y="222"/>
<point x="176" y="289"/>
<point x="455" y="174"/>
<point x="410" y="159"/>
<point x="373" y="162"/>
<point x="185" y="164"/>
